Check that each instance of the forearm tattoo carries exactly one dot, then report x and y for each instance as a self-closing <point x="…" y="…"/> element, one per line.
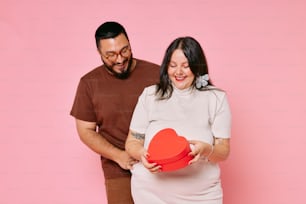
<point x="138" y="136"/>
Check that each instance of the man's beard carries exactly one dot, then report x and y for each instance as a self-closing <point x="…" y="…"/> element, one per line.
<point x="124" y="74"/>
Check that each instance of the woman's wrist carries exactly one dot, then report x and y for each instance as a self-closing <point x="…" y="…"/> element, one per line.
<point x="210" y="152"/>
<point x="141" y="152"/>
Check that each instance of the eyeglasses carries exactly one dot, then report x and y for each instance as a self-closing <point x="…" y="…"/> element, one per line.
<point x="124" y="52"/>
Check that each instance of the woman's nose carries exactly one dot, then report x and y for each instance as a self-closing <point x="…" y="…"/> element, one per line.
<point x="179" y="71"/>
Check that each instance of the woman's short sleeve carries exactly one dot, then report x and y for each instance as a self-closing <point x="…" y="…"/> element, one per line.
<point x="220" y="115"/>
<point x="140" y="121"/>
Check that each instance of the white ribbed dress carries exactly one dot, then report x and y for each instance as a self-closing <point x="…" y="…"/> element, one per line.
<point x="196" y="115"/>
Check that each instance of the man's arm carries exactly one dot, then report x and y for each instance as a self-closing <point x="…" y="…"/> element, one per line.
<point x="96" y="142"/>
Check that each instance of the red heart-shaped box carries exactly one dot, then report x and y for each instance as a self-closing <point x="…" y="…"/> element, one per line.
<point x="169" y="150"/>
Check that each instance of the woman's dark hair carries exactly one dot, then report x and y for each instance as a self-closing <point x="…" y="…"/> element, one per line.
<point x="107" y="30"/>
<point x="196" y="60"/>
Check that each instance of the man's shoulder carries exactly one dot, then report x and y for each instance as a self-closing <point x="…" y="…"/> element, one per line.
<point x="147" y="69"/>
<point x="93" y="73"/>
<point x="145" y="63"/>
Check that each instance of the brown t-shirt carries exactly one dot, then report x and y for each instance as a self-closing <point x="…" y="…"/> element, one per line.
<point x="109" y="101"/>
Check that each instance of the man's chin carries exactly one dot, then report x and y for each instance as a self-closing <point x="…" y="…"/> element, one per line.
<point x="120" y="70"/>
<point x="123" y="72"/>
<point x="123" y="75"/>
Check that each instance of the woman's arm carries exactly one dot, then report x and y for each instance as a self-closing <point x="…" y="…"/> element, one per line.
<point x="220" y="150"/>
<point x="217" y="152"/>
<point x="134" y="145"/>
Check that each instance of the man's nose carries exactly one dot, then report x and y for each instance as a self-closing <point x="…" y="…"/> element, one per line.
<point x="119" y="59"/>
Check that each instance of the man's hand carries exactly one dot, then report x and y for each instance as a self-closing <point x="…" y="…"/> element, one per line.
<point x="125" y="161"/>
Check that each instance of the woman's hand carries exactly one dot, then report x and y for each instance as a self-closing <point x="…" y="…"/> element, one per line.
<point x="199" y="149"/>
<point x="152" y="167"/>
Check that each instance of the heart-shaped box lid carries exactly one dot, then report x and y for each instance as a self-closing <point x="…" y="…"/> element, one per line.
<point x="166" y="147"/>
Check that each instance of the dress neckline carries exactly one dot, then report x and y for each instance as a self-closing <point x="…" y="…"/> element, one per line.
<point x="183" y="92"/>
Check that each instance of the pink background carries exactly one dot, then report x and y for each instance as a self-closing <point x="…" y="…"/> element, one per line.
<point x="256" y="52"/>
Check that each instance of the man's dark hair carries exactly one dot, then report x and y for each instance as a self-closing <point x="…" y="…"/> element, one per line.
<point x="107" y="30"/>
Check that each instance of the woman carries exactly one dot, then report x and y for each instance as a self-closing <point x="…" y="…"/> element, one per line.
<point x="186" y="101"/>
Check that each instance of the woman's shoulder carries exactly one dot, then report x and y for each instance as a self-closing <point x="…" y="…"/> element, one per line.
<point x="149" y="90"/>
<point x="214" y="89"/>
<point x="214" y="92"/>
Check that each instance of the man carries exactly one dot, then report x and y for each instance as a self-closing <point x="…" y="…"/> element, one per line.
<point x="104" y="103"/>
